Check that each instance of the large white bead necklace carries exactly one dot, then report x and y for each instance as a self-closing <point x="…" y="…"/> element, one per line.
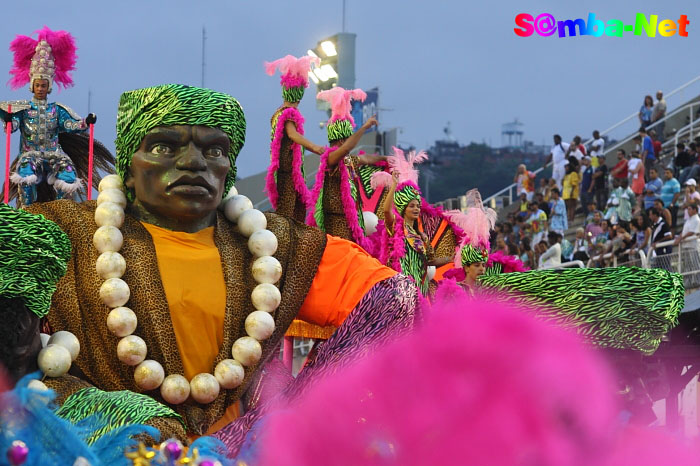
<point x="122" y="321"/>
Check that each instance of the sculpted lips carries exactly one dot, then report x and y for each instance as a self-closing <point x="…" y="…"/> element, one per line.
<point x="190" y="185"/>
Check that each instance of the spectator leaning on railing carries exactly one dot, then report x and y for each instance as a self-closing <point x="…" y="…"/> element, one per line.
<point x="658" y="113"/>
<point x="691" y="228"/>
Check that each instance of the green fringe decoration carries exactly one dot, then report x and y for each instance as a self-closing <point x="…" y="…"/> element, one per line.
<point x="175" y="104"/>
<point x="339" y="129"/>
<point x="623" y="307"/>
<point x="318" y="212"/>
<point x="293" y="94"/>
<point x="33" y="257"/>
<point x="115" y="409"/>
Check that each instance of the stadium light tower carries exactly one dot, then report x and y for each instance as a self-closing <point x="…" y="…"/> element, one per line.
<point x="337" y="68"/>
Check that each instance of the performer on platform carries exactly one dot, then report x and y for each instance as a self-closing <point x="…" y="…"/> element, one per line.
<point x="41" y="63"/>
<point x="404" y="246"/>
<point x="207" y="303"/>
<point x="285" y="184"/>
<point x="334" y="199"/>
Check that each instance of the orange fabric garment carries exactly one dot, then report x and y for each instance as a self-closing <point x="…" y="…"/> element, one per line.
<point x="193" y="280"/>
<point x="346" y="273"/>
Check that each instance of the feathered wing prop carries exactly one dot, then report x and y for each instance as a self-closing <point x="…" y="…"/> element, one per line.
<point x="340" y="101"/>
<point x="63" y="53"/>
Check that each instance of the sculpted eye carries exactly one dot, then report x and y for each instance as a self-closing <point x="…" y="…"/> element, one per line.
<point x="161" y="149"/>
<point x="215" y="152"/>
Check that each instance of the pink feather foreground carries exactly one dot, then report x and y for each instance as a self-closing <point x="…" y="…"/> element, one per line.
<point x="479" y="383"/>
<point x="289" y="114"/>
<point x="63" y="50"/>
<point x="340" y="101"/>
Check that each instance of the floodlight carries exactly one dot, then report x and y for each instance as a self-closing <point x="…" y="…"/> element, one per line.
<point x="328" y="48"/>
<point x="329" y="71"/>
<point x="313" y="77"/>
<point x="311" y="53"/>
<point x="320" y="74"/>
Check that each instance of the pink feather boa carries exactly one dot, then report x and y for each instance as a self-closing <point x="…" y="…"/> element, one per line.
<point x="349" y="205"/>
<point x="287" y="80"/>
<point x="509" y="263"/>
<point x="289" y="114"/>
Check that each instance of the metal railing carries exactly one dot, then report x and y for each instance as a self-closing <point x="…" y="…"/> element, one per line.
<point x="684" y="260"/>
<point x="509" y="190"/>
<point x="564" y="265"/>
<point x="601" y="258"/>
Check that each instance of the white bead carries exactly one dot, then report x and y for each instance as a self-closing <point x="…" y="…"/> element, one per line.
<point x="266" y="297"/>
<point x="111" y="182"/>
<point x="110" y="265"/>
<point x="114" y="292"/>
<point x="122" y="321"/>
<point x="44" y="339"/>
<point x="37" y="385"/>
<point x="131" y="350"/>
<point x="109" y="213"/>
<point x="231" y="192"/>
<point x="175" y="389"/>
<point x="267" y="269"/>
<point x="116" y="196"/>
<point x="229" y="373"/>
<point x="262" y="243"/>
<point x="251" y="221"/>
<point x="259" y="325"/>
<point x="235" y="206"/>
<point x="149" y="374"/>
<point x="68" y="341"/>
<point x="54" y="360"/>
<point x="247" y="351"/>
<point x="204" y="388"/>
<point x="431" y="272"/>
<point x="370" y="221"/>
<point x="108" y="238"/>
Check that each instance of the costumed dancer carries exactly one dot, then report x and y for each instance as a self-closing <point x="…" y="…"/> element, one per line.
<point x="285" y="184"/>
<point x="334" y="200"/>
<point x="195" y="306"/>
<point x="43" y="62"/>
<point x="404" y="246"/>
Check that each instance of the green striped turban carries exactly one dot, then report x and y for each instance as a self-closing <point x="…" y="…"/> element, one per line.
<point x="176" y="104"/>
<point x="33" y="256"/>
<point x="470" y="255"/>
<point x="404" y="195"/>
<point x="339" y="129"/>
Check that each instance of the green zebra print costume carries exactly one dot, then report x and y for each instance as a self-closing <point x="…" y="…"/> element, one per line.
<point x="624" y="307"/>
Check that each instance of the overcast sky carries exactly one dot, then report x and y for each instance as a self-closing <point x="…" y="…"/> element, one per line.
<point x="434" y="62"/>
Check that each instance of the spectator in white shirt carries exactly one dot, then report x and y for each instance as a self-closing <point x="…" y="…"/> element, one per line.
<point x="597" y="148"/>
<point x="659" y="112"/>
<point x="558" y="158"/>
<point x="552" y="256"/>
<point x="691" y="228"/>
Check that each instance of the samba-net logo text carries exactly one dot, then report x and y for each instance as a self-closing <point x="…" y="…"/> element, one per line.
<point x="546" y="25"/>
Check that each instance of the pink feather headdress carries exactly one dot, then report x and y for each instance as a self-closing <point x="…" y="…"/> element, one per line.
<point x="403" y="164"/>
<point x="295" y="71"/>
<point x="51" y="56"/>
<point x="477" y="223"/>
<point x="340" y="100"/>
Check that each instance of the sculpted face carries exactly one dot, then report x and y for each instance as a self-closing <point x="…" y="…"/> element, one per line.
<point x="178" y="175"/>
<point x="20" y="348"/>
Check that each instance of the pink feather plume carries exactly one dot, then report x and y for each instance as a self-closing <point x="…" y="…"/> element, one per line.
<point x="380" y="180"/>
<point x="62" y="48"/>
<point x="403" y="164"/>
<point x="340" y="100"/>
<point x="295" y="71"/>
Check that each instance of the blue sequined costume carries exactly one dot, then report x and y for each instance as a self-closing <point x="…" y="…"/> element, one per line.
<point x="41" y="157"/>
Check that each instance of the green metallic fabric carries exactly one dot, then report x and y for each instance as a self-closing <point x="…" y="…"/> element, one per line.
<point x="470" y="255"/>
<point x="293" y="94"/>
<point x="404" y="196"/>
<point x="33" y="256"/>
<point x="115" y="409"/>
<point x="622" y="307"/>
<point x="339" y="129"/>
<point x="142" y="110"/>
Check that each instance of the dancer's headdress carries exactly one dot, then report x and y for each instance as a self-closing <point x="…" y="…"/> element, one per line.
<point x="341" y="124"/>
<point x="295" y="75"/>
<point x="33" y="257"/>
<point x="51" y="56"/>
<point x="407" y="188"/>
<point x="477" y="223"/>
